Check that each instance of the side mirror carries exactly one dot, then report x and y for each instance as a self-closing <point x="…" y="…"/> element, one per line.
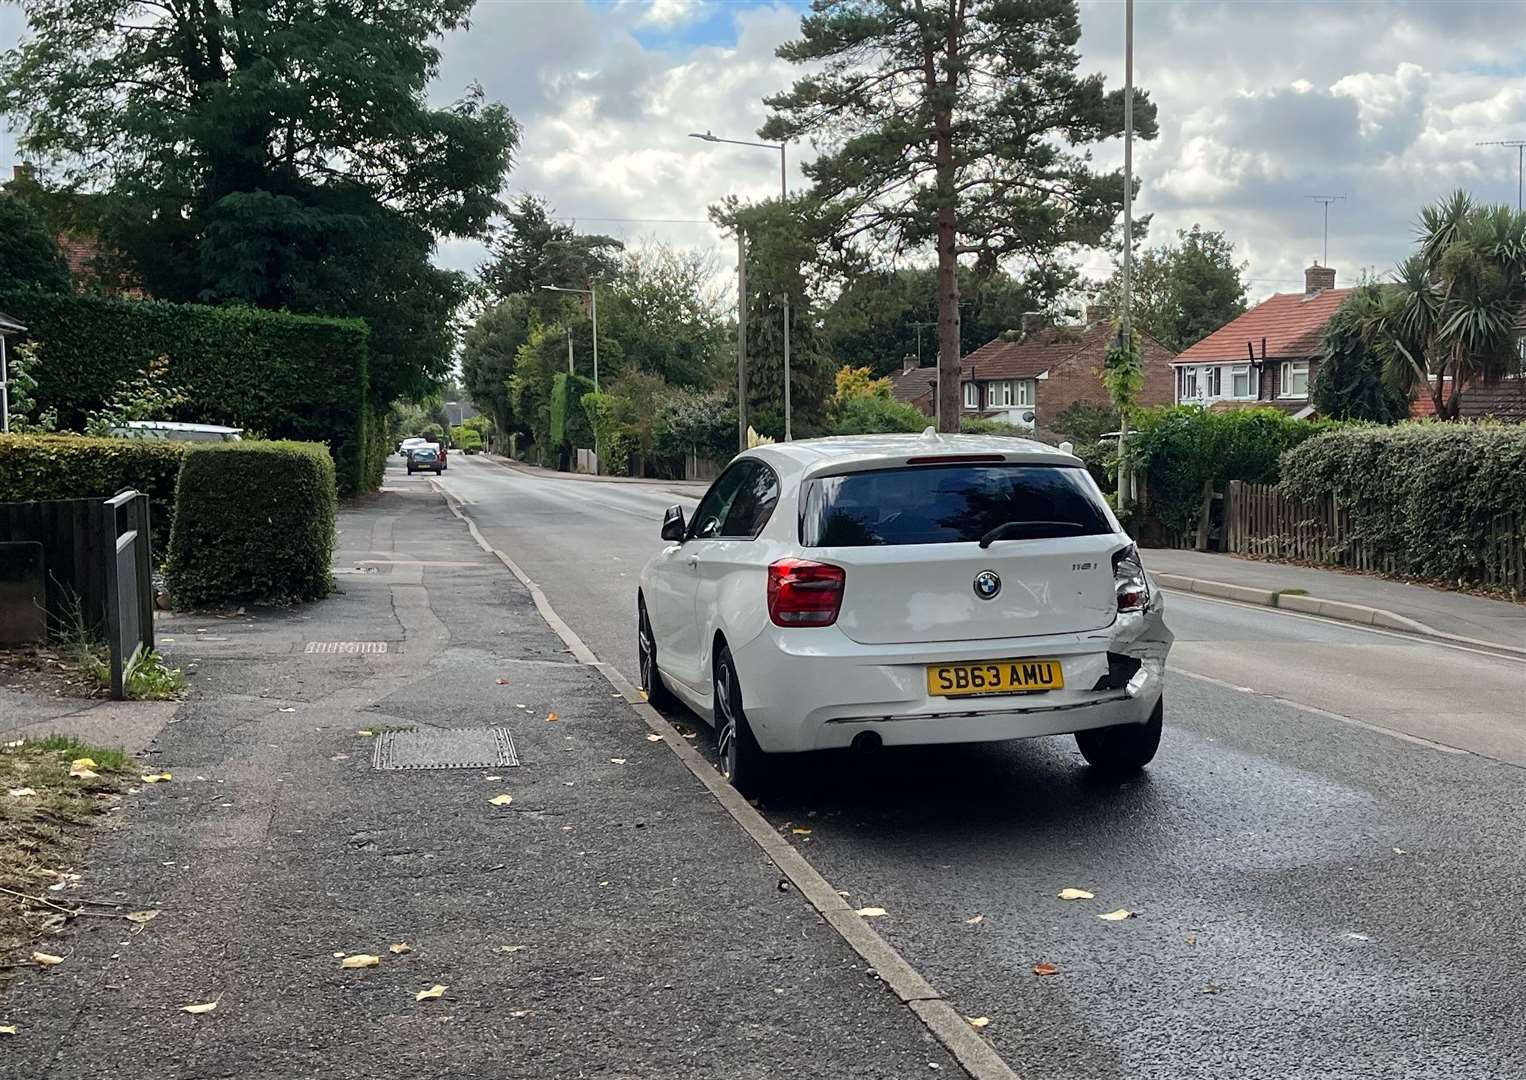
<point x="673" y="524"/>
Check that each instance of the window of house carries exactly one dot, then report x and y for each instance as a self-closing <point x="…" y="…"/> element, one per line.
<point x="1295" y="379"/>
<point x="1024" y="392"/>
<point x="971" y="395"/>
<point x="1240" y="382"/>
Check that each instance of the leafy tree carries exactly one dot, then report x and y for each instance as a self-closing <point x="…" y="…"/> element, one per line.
<point x="1123" y="375"/>
<point x="488" y="352"/>
<point x="856" y="382"/>
<point x="1185" y="291"/>
<point x="953" y="123"/>
<point x="21" y="364"/>
<point x="282" y="155"/>
<point x="148" y="395"/>
<point x="29" y="256"/>
<point x="663" y="314"/>
<point x="705" y="424"/>
<point x="870" y="413"/>
<point x="1350" y="384"/>
<point x="1449" y="320"/>
<point x="532" y="249"/>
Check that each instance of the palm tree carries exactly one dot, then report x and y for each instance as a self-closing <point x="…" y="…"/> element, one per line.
<point x="1453" y="309"/>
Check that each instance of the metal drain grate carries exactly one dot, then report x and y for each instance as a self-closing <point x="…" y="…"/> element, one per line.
<point x="442" y="748"/>
<point x="346" y="647"/>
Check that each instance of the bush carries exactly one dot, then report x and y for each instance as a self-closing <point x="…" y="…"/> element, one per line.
<point x="980" y="425"/>
<point x="703" y="424"/>
<point x="1428" y="494"/>
<point x="254" y="522"/>
<point x="1082" y="423"/>
<point x="867" y="415"/>
<point x="38" y="467"/>
<point x="1181" y="448"/>
<point x="288" y="376"/>
<point x="466" y="439"/>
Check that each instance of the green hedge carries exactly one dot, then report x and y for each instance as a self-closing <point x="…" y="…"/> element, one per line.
<point x="284" y="376"/>
<point x="1183" y="447"/>
<point x="254" y="522"/>
<point x="38" y="467"/>
<point x="1426" y="493"/>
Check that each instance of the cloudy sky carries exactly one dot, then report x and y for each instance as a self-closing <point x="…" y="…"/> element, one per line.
<point x="1262" y="103"/>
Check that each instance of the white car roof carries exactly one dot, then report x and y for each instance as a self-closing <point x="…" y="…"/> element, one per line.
<point x="174" y="425"/>
<point x="851" y="453"/>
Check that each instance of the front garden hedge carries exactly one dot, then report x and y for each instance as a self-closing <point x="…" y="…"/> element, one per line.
<point x="34" y="468"/>
<point x="1432" y="495"/>
<point x="254" y="523"/>
<point x="281" y="375"/>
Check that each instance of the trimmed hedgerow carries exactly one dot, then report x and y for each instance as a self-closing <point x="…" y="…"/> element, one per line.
<point x="284" y="376"/>
<point x="254" y="522"/>
<point x="38" y="467"/>
<point x="1431" y="495"/>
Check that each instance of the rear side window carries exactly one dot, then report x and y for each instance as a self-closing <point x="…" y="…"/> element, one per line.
<point x="950" y="504"/>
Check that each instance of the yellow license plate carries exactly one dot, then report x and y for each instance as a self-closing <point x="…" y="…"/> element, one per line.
<point x="994" y="677"/>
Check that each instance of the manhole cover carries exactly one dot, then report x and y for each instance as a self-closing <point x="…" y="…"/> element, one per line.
<point x="346" y="647"/>
<point x="441" y="748"/>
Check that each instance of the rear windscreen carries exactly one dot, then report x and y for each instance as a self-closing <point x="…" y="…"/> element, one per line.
<point x="950" y="504"/>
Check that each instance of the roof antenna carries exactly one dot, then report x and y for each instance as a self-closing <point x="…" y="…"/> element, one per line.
<point x="1327" y="200"/>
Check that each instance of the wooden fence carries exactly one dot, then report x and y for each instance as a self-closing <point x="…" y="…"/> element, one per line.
<point x="1261" y="522"/>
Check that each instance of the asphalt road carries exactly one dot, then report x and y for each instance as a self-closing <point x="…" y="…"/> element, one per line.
<point x="1325" y="860"/>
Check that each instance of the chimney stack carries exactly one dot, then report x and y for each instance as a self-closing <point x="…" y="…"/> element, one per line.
<point x="1316" y="279"/>
<point x="22" y="171"/>
<point x="909" y="363"/>
<point x="1033" y="322"/>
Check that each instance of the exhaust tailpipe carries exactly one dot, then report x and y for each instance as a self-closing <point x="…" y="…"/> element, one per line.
<point x="866" y="742"/>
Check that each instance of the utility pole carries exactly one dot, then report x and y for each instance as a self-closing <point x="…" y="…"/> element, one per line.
<point x="1520" y="163"/>
<point x="741" y="341"/>
<point x="1125" y="322"/>
<point x="1327" y="200"/>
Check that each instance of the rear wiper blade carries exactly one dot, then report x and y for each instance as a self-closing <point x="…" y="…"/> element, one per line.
<point x="1012" y="529"/>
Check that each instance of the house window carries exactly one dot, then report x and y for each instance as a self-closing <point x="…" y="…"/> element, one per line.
<point x="1240" y="382"/>
<point x="971" y="395"/>
<point x="1024" y="392"/>
<point x="1186" y="384"/>
<point x="1295" y="379"/>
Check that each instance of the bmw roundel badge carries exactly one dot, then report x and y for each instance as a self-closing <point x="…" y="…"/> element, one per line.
<point x="987" y="584"/>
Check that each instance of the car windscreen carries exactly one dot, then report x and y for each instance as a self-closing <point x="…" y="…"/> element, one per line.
<point x="423" y="452"/>
<point x="950" y="504"/>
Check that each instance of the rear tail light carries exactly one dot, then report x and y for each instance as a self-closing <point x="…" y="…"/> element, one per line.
<point x="804" y="593"/>
<point x="1129" y="580"/>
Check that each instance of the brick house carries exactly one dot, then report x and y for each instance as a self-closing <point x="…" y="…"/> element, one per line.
<point x="1267" y="356"/>
<point x="1029" y="378"/>
<point x="915" y="385"/>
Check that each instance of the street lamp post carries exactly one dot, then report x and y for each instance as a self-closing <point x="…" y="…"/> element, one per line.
<point x="594" y="304"/>
<point x="783" y="198"/>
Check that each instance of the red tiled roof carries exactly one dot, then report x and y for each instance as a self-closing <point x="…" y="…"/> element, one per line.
<point x="1291" y="323"/>
<point x="1505" y="400"/>
<point x="907" y="386"/>
<point x="1031" y="356"/>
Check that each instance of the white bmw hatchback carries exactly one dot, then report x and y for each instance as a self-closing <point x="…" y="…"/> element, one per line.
<point x="899" y="590"/>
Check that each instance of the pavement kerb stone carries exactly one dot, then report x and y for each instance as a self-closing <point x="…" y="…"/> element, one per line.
<point x="941" y="1019"/>
<point x="1329" y="609"/>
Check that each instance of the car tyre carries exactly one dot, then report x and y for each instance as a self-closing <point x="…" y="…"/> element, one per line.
<point x="742" y="760"/>
<point x="657" y="694"/>
<point x="1124" y="749"/>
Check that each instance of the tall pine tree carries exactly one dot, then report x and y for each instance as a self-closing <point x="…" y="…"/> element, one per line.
<point x="955" y="124"/>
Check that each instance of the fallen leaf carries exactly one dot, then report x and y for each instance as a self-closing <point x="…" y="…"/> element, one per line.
<point x="365" y="732"/>
<point x="400" y="948"/>
<point x="617" y="761"/>
<point x="360" y="960"/>
<point x="1046" y="968"/>
<point x="197" y="1010"/>
<point x="1076" y="894"/>
<point x="1118" y="916"/>
<point x="691" y="734"/>
<point x="501" y="800"/>
<point x="291" y="709"/>
<point x="154" y="778"/>
<point x="1212" y="988"/>
<point x="654" y="738"/>
<point x="974" y="920"/>
<point x="7" y="1029"/>
<point x="21" y="792"/>
<point x="492" y="778"/>
<point x="1400" y="851"/>
<point x="512" y="948"/>
<point x="141" y="917"/>
<point x="871" y="912"/>
<point x="552" y="718"/>
<point x="1191" y="940"/>
<point x="339" y="956"/>
<point x="977" y="1021"/>
<point x="801" y="832"/>
<point x="83" y="763"/>
<point x="429" y="995"/>
<point x="84" y="774"/>
<point x="503" y="682"/>
<point x="42" y="959"/>
<point x="518" y="1013"/>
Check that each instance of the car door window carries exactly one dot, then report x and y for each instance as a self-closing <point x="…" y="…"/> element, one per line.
<point x="754" y="503"/>
<point x="710" y="515"/>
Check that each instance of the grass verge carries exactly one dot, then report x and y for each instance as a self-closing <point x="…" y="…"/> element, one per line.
<point x="45" y="815"/>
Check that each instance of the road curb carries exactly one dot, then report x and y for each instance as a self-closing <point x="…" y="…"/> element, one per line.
<point x="538" y="473"/>
<point x="1305" y="604"/>
<point x="977" y="1056"/>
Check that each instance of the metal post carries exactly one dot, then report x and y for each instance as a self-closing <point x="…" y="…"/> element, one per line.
<point x="1126" y="321"/>
<point x="594" y="296"/>
<point x="789" y="431"/>
<point x="570" y="370"/>
<point x="741" y="341"/>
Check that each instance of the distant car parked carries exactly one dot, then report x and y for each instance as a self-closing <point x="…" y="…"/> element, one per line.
<point x="172" y="431"/>
<point x="408" y="445"/>
<point x="425" y="458"/>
